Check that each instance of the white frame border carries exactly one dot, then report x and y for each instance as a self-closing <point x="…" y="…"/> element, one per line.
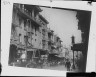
<point x="6" y="19"/>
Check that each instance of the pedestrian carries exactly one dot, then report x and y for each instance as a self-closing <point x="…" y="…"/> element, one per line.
<point x="68" y="64"/>
<point x="71" y="66"/>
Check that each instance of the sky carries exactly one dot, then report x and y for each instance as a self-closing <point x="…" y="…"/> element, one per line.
<point x="64" y="23"/>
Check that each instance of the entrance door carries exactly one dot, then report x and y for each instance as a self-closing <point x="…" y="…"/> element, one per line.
<point x="12" y="53"/>
<point x="29" y="55"/>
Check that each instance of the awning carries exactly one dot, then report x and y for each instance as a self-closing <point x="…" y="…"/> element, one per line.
<point x="54" y="57"/>
<point x="43" y="52"/>
<point x="31" y="49"/>
<point x="78" y="47"/>
<point x="53" y="46"/>
<point x="22" y="47"/>
<point x="53" y="53"/>
<point x="59" y="56"/>
<point x="13" y="42"/>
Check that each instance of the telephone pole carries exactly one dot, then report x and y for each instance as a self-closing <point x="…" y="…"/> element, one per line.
<point x="73" y="42"/>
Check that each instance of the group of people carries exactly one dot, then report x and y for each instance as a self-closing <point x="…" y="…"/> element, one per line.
<point x="69" y="65"/>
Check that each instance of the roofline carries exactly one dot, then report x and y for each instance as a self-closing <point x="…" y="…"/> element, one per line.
<point x="38" y="8"/>
<point x="44" y="19"/>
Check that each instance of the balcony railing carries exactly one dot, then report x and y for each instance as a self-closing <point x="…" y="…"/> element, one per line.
<point x="14" y="40"/>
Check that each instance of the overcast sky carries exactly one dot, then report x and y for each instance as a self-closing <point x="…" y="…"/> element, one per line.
<point x="64" y="24"/>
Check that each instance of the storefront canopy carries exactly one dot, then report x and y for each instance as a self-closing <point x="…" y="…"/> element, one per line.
<point x="43" y="52"/>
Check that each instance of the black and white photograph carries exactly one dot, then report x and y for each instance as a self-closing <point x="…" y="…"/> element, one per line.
<point x="49" y="38"/>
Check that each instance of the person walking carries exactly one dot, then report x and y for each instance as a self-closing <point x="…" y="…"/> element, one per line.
<point x="68" y="64"/>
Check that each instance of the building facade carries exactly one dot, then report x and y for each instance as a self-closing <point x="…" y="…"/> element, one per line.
<point x="27" y="31"/>
<point x="54" y="43"/>
<point x="30" y="36"/>
<point x="84" y="18"/>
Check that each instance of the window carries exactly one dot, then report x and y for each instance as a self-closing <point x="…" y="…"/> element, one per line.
<point x="57" y="39"/>
<point x="35" y="30"/>
<point x="21" y="6"/>
<point x="29" y="55"/>
<point x="37" y="54"/>
<point x="35" y="34"/>
<point x="43" y="32"/>
<point x="25" y="24"/>
<point x="13" y="28"/>
<point x="25" y="39"/>
<point x="20" y="20"/>
<point x="35" y="39"/>
<point x="43" y="23"/>
<point x="13" y="31"/>
<point x="29" y="34"/>
<point x="43" y="44"/>
<point x="35" y="13"/>
<point x="28" y="21"/>
<point x="20" y="40"/>
<point x="13" y="17"/>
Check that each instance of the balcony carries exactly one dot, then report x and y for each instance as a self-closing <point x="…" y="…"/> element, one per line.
<point x="29" y="29"/>
<point x="15" y="24"/>
<point x="26" y="14"/>
<point x="14" y="40"/>
<point x="50" y="41"/>
<point x="54" y="51"/>
<point x="45" y="38"/>
<point x="38" y="21"/>
<point x="21" y="46"/>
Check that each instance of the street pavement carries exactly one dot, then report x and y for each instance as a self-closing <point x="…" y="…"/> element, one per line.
<point x="58" y="67"/>
<point x="61" y="68"/>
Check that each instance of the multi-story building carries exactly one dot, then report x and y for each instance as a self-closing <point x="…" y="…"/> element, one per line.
<point x="84" y="18"/>
<point x="50" y="40"/>
<point x="28" y="33"/>
<point x="30" y="36"/>
<point x="54" y="43"/>
<point x="58" y="44"/>
<point x="54" y="46"/>
<point x="44" y="31"/>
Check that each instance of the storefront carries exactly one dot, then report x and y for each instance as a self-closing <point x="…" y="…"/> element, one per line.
<point x="31" y="53"/>
<point x="17" y="51"/>
<point x="12" y="53"/>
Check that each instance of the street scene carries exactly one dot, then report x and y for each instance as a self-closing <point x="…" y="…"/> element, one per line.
<point x="49" y="38"/>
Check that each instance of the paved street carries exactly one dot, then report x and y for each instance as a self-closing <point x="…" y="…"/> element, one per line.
<point x="61" y="68"/>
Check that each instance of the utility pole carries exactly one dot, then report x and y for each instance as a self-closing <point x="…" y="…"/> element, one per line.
<point x="73" y="42"/>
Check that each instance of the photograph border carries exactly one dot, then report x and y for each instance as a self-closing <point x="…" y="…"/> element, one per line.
<point x="6" y="19"/>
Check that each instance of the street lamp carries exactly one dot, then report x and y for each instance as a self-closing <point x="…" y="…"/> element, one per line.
<point x="73" y="42"/>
